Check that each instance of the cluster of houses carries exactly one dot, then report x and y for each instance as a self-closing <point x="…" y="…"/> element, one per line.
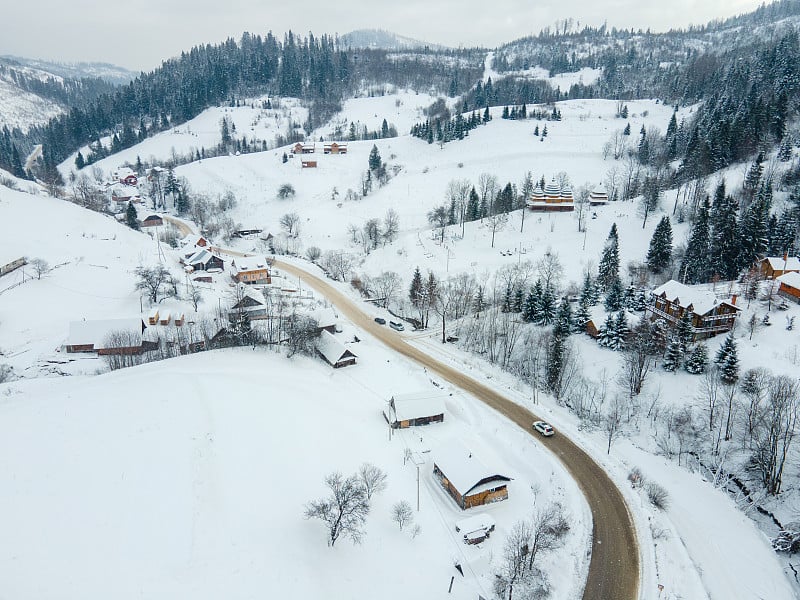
<point x="311" y="148"/>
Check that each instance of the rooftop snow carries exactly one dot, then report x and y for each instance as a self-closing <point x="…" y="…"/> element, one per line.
<point x="462" y="468"/>
<point x="82" y="333"/>
<point x="418" y="404"/>
<point x="701" y="301"/>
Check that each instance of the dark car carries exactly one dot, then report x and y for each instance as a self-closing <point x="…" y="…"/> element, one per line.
<point x="380" y="320"/>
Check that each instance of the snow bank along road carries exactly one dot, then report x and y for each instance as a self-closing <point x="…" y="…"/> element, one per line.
<point x="614" y="565"/>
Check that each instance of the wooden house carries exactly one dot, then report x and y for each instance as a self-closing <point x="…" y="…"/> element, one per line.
<point x="308" y="164"/>
<point x="190" y="242"/>
<point x="710" y="315"/>
<point x="334" y="148"/>
<point x="126" y="176"/>
<point x="247" y="233"/>
<point x="297" y="148"/>
<point x="790" y="286"/>
<point x="11" y="263"/>
<point x="179" y="320"/>
<point x="411" y="410"/>
<point x="204" y="260"/>
<point x="164" y="318"/>
<point x="251" y="304"/>
<point x="553" y="198"/>
<point x="122" y="194"/>
<point x="598" y="196"/>
<point x="468" y="480"/>
<point x="152" y="221"/>
<point x="772" y="267"/>
<point x="110" y="336"/>
<point x="152" y="318"/>
<point x="334" y="351"/>
<point x="250" y="270"/>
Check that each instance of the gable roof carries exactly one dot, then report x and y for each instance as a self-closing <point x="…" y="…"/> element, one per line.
<point x="249" y="301"/>
<point x="464" y="469"/>
<point x="202" y="256"/>
<point x="791" y="280"/>
<point x="249" y="263"/>
<point x="83" y="333"/>
<point x="417" y="405"/>
<point x="701" y="301"/>
<point x="331" y="348"/>
<point x="777" y="263"/>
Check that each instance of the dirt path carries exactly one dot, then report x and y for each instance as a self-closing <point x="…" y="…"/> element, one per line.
<point x="614" y="565"/>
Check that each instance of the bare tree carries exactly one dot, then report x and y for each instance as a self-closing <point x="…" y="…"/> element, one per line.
<point x="338" y="263"/>
<point x="487" y="188"/>
<point x="630" y="177"/>
<point x="495" y="223"/>
<point x="126" y="347"/>
<point x="447" y="295"/>
<point x="157" y="282"/>
<point x="345" y="511"/>
<point x="582" y="206"/>
<point x="387" y="286"/>
<point x="638" y="357"/>
<point x="548" y="527"/>
<point x="550" y="270"/>
<point x="313" y="253"/>
<point x="291" y="223"/>
<point x="612" y="182"/>
<point x="613" y="420"/>
<point x="458" y="194"/>
<point x="391" y="226"/>
<point x="372" y="479"/>
<point x="774" y="438"/>
<point x="402" y="514"/>
<point x="514" y="564"/>
<point x="40" y="267"/>
<point x="301" y="333"/>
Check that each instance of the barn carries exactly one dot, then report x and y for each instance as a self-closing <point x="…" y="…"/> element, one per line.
<point x="417" y="408"/>
<point x="109" y="336"/>
<point x="203" y="260"/>
<point x="468" y="480"/>
<point x="152" y="221"/>
<point x="333" y="351"/>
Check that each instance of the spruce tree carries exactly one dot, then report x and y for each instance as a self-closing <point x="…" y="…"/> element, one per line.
<point x="753" y="232"/>
<point x="478" y="304"/>
<point x="547" y="307"/>
<point x="615" y="296"/>
<point x="131" y="220"/>
<point x="640" y="303"/>
<point x="698" y="360"/>
<point x="582" y="316"/>
<point x="519" y="299"/>
<point x="620" y="331"/>
<point x="606" y="333"/>
<point x="608" y="270"/>
<point x="684" y="331"/>
<point x="554" y="365"/>
<point x="415" y="291"/>
<point x="564" y="323"/>
<point x="723" y="235"/>
<point x="530" y="309"/>
<point x="729" y="365"/>
<point x="473" y="206"/>
<point x="375" y="161"/>
<point x="660" y="253"/>
<point x="673" y="356"/>
<point x="507" y="299"/>
<point x="695" y="266"/>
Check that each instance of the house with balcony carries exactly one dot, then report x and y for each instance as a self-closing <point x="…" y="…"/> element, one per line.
<point x="710" y="315"/>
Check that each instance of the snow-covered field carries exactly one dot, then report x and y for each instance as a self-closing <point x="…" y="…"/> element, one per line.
<point x="189" y="478"/>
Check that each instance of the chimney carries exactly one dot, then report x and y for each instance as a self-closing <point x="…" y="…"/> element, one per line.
<point x="733" y="299"/>
<point x="785" y="257"/>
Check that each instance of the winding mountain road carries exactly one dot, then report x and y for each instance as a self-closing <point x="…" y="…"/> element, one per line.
<point x="614" y="565"/>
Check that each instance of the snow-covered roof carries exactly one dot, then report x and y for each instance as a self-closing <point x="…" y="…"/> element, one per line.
<point x="192" y="240"/>
<point x="249" y="263"/>
<point x="417" y="404"/>
<point x="790" y="279"/>
<point x="325" y="317"/>
<point x="552" y="188"/>
<point x="202" y="256"/>
<point x="475" y="523"/>
<point x="463" y="468"/>
<point x="331" y="348"/>
<point x="537" y="192"/>
<point x="777" y="263"/>
<point x="701" y="301"/>
<point x="82" y="333"/>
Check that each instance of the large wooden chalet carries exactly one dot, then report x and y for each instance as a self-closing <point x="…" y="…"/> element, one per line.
<point x="410" y="410"/>
<point x="553" y="198"/>
<point x="710" y="315"/>
<point x="109" y="336"/>
<point x="467" y="479"/>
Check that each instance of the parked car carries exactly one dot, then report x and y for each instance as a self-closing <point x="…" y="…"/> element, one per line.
<point x="380" y="320"/>
<point x="544" y="428"/>
<point x="396" y="326"/>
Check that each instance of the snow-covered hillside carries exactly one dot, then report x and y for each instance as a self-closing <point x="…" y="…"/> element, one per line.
<point x="22" y="109"/>
<point x="189" y="477"/>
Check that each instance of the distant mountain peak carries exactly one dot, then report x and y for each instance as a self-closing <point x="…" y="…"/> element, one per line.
<point x="385" y="40"/>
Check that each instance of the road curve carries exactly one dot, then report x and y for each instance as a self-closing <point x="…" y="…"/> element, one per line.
<point x="614" y="565"/>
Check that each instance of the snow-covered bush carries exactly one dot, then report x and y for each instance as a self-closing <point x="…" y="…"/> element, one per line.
<point x="657" y="494"/>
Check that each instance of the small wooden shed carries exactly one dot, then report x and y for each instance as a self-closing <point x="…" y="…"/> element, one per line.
<point x="468" y="480"/>
<point x="308" y="164"/>
<point x="411" y="410"/>
<point x="334" y="351"/>
<point x="790" y="286"/>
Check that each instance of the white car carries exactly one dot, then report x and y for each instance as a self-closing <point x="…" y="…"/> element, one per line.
<point x="544" y="428"/>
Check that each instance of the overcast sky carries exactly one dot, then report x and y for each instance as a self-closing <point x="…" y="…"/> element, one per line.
<point x="140" y="34"/>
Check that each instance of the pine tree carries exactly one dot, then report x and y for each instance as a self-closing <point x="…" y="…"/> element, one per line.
<point x="684" y="331"/>
<point x="564" y="323"/>
<point x="723" y="235"/>
<point x="375" y="161"/>
<point x="615" y="296"/>
<point x="473" y="206"/>
<point x="620" y="331"/>
<point x="698" y="360"/>
<point x="606" y="333"/>
<point x="673" y="356"/>
<point x="530" y="309"/>
<point x="640" y="303"/>
<point x="608" y="270"/>
<point x="728" y="360"/>
<point x="131" y="220"/>
<point x="582" y="316"/>
<point x="547" y="307"/>
<point x="79" y="161"/>
<point x="694" y="268"/>
<point x="519" y="299"/>
<point x="753" y="232"/>
<point x="660" y="253"/>
<point x="507" y="299"/>
<point x="627" y="130"/>
<point x="555" y="365"/>
<point x="785" y="150"/>
<point x="415" y="291"/>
